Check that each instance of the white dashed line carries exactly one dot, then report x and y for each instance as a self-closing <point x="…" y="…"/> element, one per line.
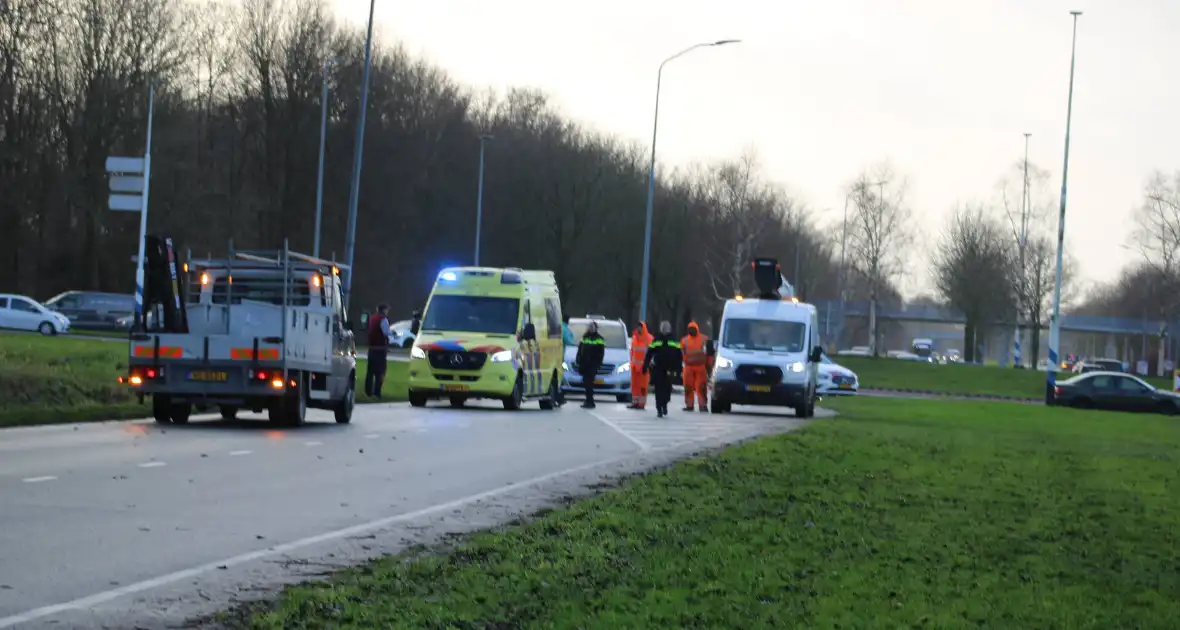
<point x="313" y="443"/>
<point x="240" y="452"/>
<point x="640" y="443"/>
<point x="372" y="436"/>
<point x="38" y="479"/>
<point x="152" y="464"/>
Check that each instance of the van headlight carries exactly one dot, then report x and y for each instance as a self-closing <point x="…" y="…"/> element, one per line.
<point x="417" y="353"/>
<point x="723" y="364"/>
<point x="626" y="367"/>
<point x="797" y="366"/>
<point x="502" y="356"/>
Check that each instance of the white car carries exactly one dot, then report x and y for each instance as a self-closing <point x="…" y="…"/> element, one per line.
<point x="401" y="337"/>
<point x="835" y="379"/>
<point x="22" y="313"/>
<point x="614" y="376"/>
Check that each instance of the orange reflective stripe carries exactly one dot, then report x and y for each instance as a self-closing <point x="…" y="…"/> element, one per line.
<point x="166" y="352"/>
<point x="264" y="354"/>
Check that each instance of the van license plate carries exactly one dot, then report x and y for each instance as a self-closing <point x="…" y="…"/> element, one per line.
<point x="455" y="388"/>
<point x="209" y="377"/>
<point x="758" y="388"/>
<point x="845" y="386"/>
<point x="600" y="381"/>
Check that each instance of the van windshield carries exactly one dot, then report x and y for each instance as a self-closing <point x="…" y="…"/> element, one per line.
<point x="472" y="314"/>
<point x="614" y="336"/>
<point x="764" y="334"/>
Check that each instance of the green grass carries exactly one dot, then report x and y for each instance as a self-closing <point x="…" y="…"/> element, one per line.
<point x="901" y="513"/>
<point x="52" y="380"/>
<point x="883" y="373"/>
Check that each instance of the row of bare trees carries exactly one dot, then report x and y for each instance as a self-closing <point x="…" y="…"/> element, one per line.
<point x="235" y="150"/>
<point x="996" y="260"/>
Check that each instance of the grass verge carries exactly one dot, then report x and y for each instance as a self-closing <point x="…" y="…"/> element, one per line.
<point x="54" y="380"/>
<point x="901" y="513"/>
<point x="978" y="380"/>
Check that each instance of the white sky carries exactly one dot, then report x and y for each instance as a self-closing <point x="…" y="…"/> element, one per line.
<point x="943" y="89"/>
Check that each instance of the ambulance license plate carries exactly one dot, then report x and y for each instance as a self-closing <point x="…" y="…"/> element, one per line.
<point x="209" y="376"/>
<point x="455" y="388"/>
<point x="758" y="388"/>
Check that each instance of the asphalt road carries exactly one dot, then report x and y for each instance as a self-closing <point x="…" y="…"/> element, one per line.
<point x="109" y="525"/>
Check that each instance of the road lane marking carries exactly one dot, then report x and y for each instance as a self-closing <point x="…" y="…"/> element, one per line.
<point x="240" y="452"/>
<point x="38" y="479"/>
<point x="372" y="436"/>
<point x="90" y="601"/>
<point x="642" y="445"/>
<point x="313" y="443"/>
<point x="152" y="464"/>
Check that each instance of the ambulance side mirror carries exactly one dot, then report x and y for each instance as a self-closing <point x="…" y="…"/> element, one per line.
<point x="817" y="354"/>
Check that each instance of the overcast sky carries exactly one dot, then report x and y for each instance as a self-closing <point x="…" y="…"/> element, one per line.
<point x="822" y="89"/>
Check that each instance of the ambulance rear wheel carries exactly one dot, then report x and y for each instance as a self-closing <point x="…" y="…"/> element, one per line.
<point x="550" y="401"/>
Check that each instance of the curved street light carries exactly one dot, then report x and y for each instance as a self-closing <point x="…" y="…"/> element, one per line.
<point x="651" y="175"/>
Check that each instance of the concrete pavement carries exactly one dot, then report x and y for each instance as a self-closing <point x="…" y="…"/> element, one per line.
<point x="125" y="524"/>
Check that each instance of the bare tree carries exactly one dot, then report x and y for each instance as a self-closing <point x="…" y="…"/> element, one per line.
<point x="878" y="234"/>
<point x="974" y="266"/>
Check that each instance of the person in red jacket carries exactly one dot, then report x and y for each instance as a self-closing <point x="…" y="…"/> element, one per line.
<point x="378" y="342"/>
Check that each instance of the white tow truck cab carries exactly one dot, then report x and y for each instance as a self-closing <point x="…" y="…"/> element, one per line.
<point x="768" y="352"/>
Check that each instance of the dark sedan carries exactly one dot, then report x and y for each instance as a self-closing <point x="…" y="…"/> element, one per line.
<point x="1114" y="391"/>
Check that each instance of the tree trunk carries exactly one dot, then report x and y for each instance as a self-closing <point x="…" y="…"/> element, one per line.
<point x="873" y="326"/>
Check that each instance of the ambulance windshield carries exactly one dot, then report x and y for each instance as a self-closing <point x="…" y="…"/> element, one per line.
<point x="472" y="314"/>
<point x="764" y="334"/>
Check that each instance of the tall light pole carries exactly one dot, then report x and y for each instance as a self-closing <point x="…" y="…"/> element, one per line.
<point x="319" y="188"/>
<point x="1055" y="319"/>
<point x="651" y="174"/>
<point x="479" y="199"/>
<point x="1021" y="242"/>
<point x="358" y="153"/>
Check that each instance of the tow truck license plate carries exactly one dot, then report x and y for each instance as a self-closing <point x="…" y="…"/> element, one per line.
<point x="212" y="377"/>
<point x="758" y="388"/>
<point x="455" y="388"/>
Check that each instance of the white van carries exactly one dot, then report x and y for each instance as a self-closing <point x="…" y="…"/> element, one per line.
<point x="768" y="352"/>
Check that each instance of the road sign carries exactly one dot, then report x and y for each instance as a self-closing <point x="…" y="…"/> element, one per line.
<point x="129" y="165"/>
<point x="125" y="203"/>
<point x="132" y="185"/>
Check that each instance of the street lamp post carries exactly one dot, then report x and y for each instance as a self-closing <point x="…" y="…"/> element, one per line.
<point x="1055" y="319"/>
<point x="358" y="153"/>
<point x="651" y="175"/>
<point x="479" y="198"/>
<point x="319" y="189"/>
<point x="1021" y="242"/>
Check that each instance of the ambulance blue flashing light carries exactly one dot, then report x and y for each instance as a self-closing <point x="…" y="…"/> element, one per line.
<point x="448" y="276"/>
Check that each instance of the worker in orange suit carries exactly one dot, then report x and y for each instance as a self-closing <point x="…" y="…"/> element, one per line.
<point x="695" y="347"/>
<point x="640" y="340"/>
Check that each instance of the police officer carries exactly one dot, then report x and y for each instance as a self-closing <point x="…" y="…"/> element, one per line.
<point x="663" y="355"/>
<point x="591" y="352"/>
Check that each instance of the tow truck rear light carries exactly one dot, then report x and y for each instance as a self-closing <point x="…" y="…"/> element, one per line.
<point x="276" y="383"/>
<point x="139" y="375"/>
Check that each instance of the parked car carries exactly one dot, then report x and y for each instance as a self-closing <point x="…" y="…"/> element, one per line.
<point x="854" y="351"/>
<point x="18" y="312"/>
<point x="93" y="310"/>
<point x="1114" y="391"/>
<point x="401" y="337"/>
<point x="835" y="379"/>
<point x="614" y="375"/>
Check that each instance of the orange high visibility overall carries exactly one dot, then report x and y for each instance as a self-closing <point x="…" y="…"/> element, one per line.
<point x="696" y="367"/>
<point x="640" y="340"/>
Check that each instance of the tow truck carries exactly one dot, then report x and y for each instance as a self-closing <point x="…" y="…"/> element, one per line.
<point x="252" y="331"/>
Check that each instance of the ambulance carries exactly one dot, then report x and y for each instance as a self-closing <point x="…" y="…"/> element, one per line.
<point x="768" y="352"/>
<point x="489" y="333"/>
